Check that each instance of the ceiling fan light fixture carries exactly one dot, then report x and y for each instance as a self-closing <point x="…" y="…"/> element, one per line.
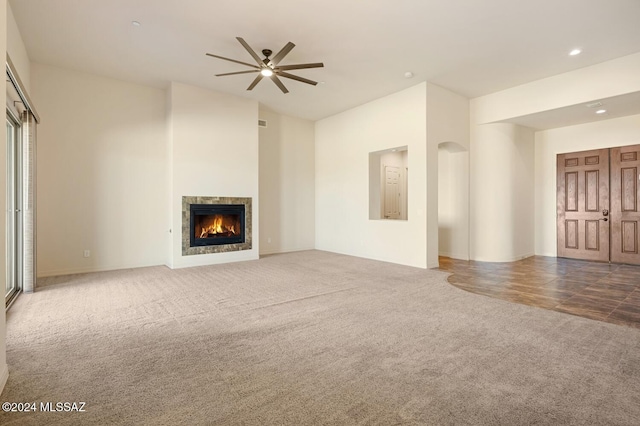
<point x="269" y="67"/>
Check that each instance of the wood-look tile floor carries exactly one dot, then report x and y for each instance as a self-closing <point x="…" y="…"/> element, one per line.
<point x="600" y="291"/>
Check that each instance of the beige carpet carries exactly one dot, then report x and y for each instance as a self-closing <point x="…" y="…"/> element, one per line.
<point x="309" y="338"/>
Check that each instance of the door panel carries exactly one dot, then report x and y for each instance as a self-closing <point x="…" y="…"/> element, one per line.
<point x="392" y="192"/>
<point x="583" y="194"/>
<point x="625" y="204"/>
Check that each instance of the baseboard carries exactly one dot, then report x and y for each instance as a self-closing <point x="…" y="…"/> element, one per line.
<point x="379" y="259"/>
<point x="454" y="255"/>
<point x="285" y="250"/>
<point x="4" y="376"/>
<point x="547" y="254"/>
<point x="91" y="269"/>
<point x="504" y="259"/>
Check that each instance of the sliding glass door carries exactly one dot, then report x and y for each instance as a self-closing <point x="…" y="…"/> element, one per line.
<point x="14" y="209"/>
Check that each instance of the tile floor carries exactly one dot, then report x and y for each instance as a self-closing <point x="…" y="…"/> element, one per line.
<point x="600" y="291"/>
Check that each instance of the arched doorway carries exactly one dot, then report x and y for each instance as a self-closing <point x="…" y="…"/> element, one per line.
<point x="453" y="200"/>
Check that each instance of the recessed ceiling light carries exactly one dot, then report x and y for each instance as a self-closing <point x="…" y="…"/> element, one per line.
<point x="135" y="23"/>
<point x="408" y="74"/>
<point x="575" y="52"/>
<point x="594" y="104"/>
<point x="601" y="111"/>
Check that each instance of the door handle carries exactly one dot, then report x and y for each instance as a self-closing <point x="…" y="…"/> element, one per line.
<point x="604" y="218"/>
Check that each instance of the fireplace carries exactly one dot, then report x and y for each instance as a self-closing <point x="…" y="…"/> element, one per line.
<point x="216" y="224"/>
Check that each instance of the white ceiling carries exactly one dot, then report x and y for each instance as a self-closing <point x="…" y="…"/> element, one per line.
<point x="473" y="47"/>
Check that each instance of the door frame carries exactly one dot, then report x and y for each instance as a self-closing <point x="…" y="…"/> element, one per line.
<point x="14" y="211"/>
<point x="618" y="212"/>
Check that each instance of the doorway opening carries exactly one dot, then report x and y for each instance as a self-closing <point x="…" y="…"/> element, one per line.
<point x="453" y="201"/>
<point x="598" y="202"/>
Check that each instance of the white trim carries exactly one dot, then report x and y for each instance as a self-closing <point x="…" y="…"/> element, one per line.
<point x="90" y="269"/>
<point x="433" y="266"/>
<point x="457" y="256"/>
<point x="379" y="259"/>
<point x="547" y="254"/>
<point x="508" y="259"/>
<point x="17" y="83"/>
<point x="286" y="250"/>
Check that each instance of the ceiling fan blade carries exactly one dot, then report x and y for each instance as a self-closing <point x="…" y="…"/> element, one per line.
<point x="253" y="54"/>
<point x="300" y="66"/>
<point x="232" y="60"/>
<point x="256" y="81"/>
<point x="278" y="83"/>
<point x="282" y="53"/>
<point x="295" y="77"/>
<point x="238" y="72"/>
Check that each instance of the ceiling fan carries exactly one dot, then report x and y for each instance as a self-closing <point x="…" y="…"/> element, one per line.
<point x="268" y="67"/>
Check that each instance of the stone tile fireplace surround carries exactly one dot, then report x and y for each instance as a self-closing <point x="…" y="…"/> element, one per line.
<point x="187" y="250"/>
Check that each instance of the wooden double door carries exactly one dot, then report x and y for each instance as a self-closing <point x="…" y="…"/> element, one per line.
<point x="598" y="215"/>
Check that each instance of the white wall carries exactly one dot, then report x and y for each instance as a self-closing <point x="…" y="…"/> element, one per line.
<point x="601" y="134"/>
<point x="616" y="77"/>
<point x="214" y="151"/>
<point x="17" y="51"/>
<point x="100" y="171"/>
<point x="343" y="144"/>
<point x="448" y="116"/>
<point x="4" y="369"/>
<point x="502" y="193"/>
<point x="287" y="189"/>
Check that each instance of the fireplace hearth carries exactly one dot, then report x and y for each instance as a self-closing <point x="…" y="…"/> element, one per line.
<point x="216" y="224"/>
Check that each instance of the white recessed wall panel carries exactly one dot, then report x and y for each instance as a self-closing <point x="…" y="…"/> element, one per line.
<point x="287" y="189"/>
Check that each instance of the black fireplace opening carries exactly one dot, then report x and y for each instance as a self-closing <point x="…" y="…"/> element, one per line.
<point x="216" y="224"/>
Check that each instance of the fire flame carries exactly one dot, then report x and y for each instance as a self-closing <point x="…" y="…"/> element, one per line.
<point x="217" y="228"/>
